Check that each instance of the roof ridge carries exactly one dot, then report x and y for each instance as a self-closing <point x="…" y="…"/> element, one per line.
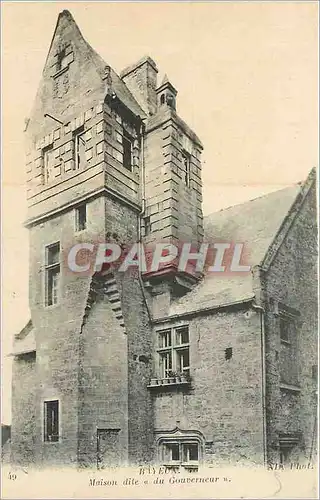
<point x="300" y="183"/>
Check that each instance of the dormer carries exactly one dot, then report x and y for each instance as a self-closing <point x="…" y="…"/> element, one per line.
<point x="166" y="94"/>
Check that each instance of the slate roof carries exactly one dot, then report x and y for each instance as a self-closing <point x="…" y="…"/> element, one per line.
<point x="25" y="340"/>
<point x="118" y="86"/>
<point x="254" y="223"/>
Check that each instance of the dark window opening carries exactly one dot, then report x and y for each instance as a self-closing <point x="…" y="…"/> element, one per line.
<point x="314" y="371"/>
<point x="127" y="150"/>
<point x="285" y="325"/>
<point x="48" y="162"/>
<point x="80" y="148"/>
<point x="228" y="353"/>
<point x="284" y="454"/>
<point x="182" y="335"/>
<point x="174" y="451"/>
<point x="52" y="274"/>
<point x="288" y="351"/>
<point x="51" y="421"/>
<point x="162" y="99"/>
<point x="81" y="217"/>
<point x="147" y="226"/>
<point x="191" y="452"/>
<point x="171" y="101"/>
<point x="62" y="60"/>
<point x="186" y="168"/>
<point x="180" y="454"/>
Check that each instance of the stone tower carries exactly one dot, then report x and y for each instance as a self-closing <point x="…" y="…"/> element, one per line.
<point x="108" y="158"/>
<point x="172" y="191"/>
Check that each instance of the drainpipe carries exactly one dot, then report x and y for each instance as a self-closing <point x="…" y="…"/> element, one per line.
<point x="143" y="180"/>
<point x="141" y="214"/>
<point x="263" y="388"/>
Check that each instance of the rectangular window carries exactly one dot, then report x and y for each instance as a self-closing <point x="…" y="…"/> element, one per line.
<point x="190" y="452"/>
<point x="288" y="352"/>
<point x="171" y="452"/>
<point x="228" y="353"/>
<point x="178" y="454"/>
<point x="51" y="421"/>
<point x="62" y="60"/>
<point x="48" y="163"/>
<point x="314" y="372"/>
<point x="183" y="363"/>
<point x="127" y="144"/>
<point x="165" y="362"/>
<point x="79" y="149"/>
<point x="165" y="338"/>
<point x="173" y="352"/>
<point x="147" y="226"/>
<point x="284" y="454"/>
<point x="182" y="335"/>
<point x="81" y="217"/>
<point x="285" y="325"/>
<point x="52" y="269"/>
<point x="186" y="168"/>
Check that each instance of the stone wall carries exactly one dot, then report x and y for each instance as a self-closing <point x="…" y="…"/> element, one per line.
<point x="291" y="283"/>
<point x="23" y="429"/>
<point x="224" y="403"/>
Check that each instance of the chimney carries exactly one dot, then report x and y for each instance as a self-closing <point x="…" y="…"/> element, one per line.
<point x="141" y="80"/>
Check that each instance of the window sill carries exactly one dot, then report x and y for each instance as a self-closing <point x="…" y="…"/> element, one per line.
<point x="289" y="387"/>
<point x="60" y="71"/>
<point x="165" y="383"/>
<point x="179" y="465"/>
<point x="285" y="342"/>
<point x="48" y="307"/>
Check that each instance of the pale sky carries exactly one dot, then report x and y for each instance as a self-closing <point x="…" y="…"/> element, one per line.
<point x="247" y="81"/>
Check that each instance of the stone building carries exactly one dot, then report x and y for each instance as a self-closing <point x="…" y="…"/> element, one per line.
<point x="171" y="367"/>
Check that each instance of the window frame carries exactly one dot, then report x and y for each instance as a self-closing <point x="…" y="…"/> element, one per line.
<point x="78" y="226"/>
<point x="55" y="266"/>
<point x="47" y="171"/>
<point x="183" y="442"/>
<point x="288" y="321"/>
<point x="60" y="58"/>
<point x="147" y="225"/>
<point x="170" y="355"/>
<point x="77" y="134"/>
<point x="314" y="372"/>
<point x="45" y="434"/>
<point x="288" y="367"/>
<point x="228" y="353"/>
<point x="127" y="139"/>
<point x="186" y="162"/>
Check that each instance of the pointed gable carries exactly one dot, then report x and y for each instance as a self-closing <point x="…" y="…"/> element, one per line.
<point x="74" y="78"/>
